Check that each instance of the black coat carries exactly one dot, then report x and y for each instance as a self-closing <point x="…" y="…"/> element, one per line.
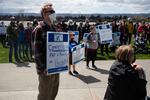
<point x="124" y="83"/>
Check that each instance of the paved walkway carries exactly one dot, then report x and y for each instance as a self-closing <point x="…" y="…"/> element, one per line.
<point x="19" y="82"/>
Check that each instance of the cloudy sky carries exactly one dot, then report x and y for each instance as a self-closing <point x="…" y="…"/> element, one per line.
<point x="77" y="6"/>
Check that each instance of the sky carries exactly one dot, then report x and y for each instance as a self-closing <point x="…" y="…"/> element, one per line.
<point x="77" y="6"/>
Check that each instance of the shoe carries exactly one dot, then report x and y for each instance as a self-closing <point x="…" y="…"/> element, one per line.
<point x="75" y="72"/>
<point x="10" y="61"/>
<point x="87" y="67"/>
<point x="18" y="61"/>
<point x="70" y="73"/>
<point x="94" y="67"/>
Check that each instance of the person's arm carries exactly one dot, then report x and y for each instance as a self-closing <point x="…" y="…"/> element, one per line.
<point x="38" y="43"/>
<point x="140" y="71"/>
<point x="138" y="83"/>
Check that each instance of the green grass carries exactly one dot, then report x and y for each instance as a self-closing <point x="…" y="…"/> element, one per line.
<point x="4" y="55"/>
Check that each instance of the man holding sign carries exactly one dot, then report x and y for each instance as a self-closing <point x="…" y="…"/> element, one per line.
<point x="48" y="85"/>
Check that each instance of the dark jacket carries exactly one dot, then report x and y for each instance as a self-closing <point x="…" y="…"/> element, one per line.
<point x="40" y="45"/>
<point x="124" y="83"/>
<point x="12" y="32"/>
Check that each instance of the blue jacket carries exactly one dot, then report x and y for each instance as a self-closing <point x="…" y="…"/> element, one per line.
<point x="72" y="43"/>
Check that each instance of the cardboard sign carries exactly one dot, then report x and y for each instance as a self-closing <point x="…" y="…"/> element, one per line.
<point x="57" y="52"/>
<point x="78" y="53"/>
<point x="85" y="37"/>
<point x="105" y="33"/>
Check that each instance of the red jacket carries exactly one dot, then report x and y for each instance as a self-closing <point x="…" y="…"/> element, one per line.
<point x="140" y="29"/>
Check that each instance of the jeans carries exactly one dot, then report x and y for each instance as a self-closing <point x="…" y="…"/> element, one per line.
<point x="28" y="50"/>
<point x="13" y="45"/>
<point x="21" y="49"/>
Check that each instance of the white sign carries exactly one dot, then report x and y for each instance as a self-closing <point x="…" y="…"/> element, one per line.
<point x="57" y="52"/>
<point x="78" y="53"/>
<point x="76" y="35"/>
<point x="2" y="30"/>
<point x="105" y="33"/>
<point x="116" y="39"/>
<point x="85" y="37"/>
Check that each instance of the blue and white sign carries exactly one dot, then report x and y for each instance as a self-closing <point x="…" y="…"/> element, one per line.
<point x="85" y="37"/>
<point x="57" y="52"/>
<point x="76" y="35"/>
<point x="78" y="53"/>
<point x="105" y="33"/>
<point x="3" y="29"/>
<point x="116" y="39"/>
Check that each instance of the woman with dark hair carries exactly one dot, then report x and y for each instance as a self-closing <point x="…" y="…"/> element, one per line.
<point x="127" y="80"/>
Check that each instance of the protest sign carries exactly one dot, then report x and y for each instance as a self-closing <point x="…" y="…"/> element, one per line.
<point x="57" y="52"/>
<point x="116" y="39"/>
<point x="2" y="30"/>
<point x="85" y="37"/>
<point x="78" y="53"/>
<point x="105" y="33"/>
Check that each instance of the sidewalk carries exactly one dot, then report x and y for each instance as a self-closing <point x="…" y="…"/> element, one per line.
<point x="20" y="82"/>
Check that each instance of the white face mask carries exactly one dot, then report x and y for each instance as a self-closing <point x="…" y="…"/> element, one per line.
<point x="52" y="18"/>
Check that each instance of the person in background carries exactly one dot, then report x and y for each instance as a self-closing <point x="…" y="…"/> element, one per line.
<point x="123" y="33"/>
<point x="75" y="26"/>
<point x="130" y="30"/>
<point x="59" y="27"/>
<point x="80" y="29"/>
<point x="48" y="85"/>
<point x="145" y="30"/>
<point x="34" y="25"/>
<point x="12" y="32"/>
<point x="148" y="34"/>
<point x="21" y="41"/>
<point x="135" y="30"/>
<point x="140" y="28"/>
<point x="3" y="34"/>
<point x="127" y="80"/>
<point x="72" y="43"/>
<point x="86" y="27"/>
<point x="28" y="35"/>
<point x="70" y="26"/>
<point x="92" y="45"/>
<point x="64" y="26"/>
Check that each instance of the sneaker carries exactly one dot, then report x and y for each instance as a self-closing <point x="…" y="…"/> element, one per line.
<point x="94" y="67"/>
<point x="75" y="72"/>
<point x="70" y="73"/>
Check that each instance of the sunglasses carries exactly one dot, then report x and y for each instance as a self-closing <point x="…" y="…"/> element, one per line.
<point x="51" y="12"/>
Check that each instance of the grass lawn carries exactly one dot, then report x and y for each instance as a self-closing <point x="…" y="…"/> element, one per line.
<point x="4" y="55"/>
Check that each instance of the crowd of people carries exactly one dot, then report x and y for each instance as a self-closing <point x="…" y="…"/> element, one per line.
<point x="21" y="40"/>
